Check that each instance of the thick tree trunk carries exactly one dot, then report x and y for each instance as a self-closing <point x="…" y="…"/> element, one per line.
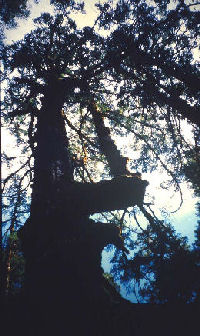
<point x="64" y="287"/>
<point x="64" y="284"/>
<point x="52" y="164"/>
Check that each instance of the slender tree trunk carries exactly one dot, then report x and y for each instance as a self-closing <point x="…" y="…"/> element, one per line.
<point x="9" y="258"/>
<point x="116" y="161"/>
<point x="7" y="267"/>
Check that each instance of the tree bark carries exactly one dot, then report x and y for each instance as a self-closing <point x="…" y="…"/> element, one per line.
<point x="62" y="246"/>
<point x="116" y="194"/>
<point x="116" y="161"/>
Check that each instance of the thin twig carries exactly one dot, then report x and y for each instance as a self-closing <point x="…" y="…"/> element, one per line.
<point x="80" y="133"/>
<point x="14" y="173"/>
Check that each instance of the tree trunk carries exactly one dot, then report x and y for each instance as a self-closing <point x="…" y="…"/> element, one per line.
<point x="64" y="285"/>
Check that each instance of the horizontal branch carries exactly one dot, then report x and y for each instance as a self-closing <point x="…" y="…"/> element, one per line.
<point x="170" y="68"/>
<point x="185" y="110"/>
<point x="181" y="106"/>
<point x="28" y="110"/>
<point x="37" y="87"/>
<point x="116" y="194"/>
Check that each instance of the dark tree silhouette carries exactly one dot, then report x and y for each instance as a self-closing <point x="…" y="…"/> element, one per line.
<point x="69" y="93"/>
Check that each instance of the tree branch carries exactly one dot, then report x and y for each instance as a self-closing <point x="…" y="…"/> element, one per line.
<point x="116" y="194"/>
<point x="14" y="173"/>
<point x="116" y="161"/>
<point x="80" y="134"/>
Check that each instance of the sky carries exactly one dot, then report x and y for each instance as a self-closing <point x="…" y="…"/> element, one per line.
<point x="25" y="25"/>
<point x="184" y="220"/>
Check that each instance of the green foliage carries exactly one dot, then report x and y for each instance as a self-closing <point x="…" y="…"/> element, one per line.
<point x="164" y="268"/>
<point x="15" y="264"/>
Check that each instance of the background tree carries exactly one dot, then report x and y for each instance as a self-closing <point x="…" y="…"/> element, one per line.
<point x="159" y="261"/>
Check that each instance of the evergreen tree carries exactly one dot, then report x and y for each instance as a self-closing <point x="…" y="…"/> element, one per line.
<point x="69" y="93"/>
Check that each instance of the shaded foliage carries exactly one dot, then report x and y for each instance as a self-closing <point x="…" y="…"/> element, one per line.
<point x="163" y="269"/>
<point x="14" y="261"/>
<point x="12" y="9"/>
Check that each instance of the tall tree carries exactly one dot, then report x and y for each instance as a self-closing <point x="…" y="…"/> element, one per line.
<point x="63" y="85"/>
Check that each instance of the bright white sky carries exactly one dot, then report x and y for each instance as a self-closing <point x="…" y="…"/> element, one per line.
<point x="185" y="219"/>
